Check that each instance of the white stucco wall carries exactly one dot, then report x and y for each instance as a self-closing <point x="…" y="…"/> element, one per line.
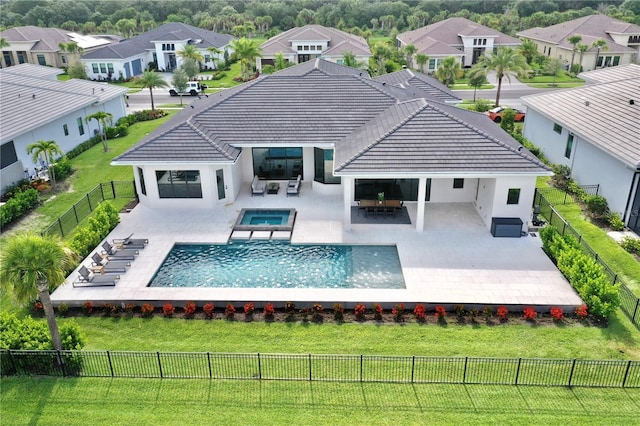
<point x="118" y="66"/>
<point x="484" y="201"/>
<point x="589" y="164"/>
<point x="442" y="191"/>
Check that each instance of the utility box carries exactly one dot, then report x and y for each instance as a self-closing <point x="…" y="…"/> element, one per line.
<point x="506" y="227"/>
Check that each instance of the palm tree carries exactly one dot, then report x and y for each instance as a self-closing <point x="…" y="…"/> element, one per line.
<point x="3" y="42"/>
<point x="103" y="118"/>
<point x="215" y="56"/>
<point x="528" y="49"/>
<point x="409" y="51"/>
<point x="46" y="150"/>
<point x="31" y="266"/>
<point x="381" y="52"/>
<point x="349" y="60"/>
<point x="599" y="44"/>
<point x="190" y="52"/>
<point x="246" y="51"/>
<point x="421" y="60"/>
<point x="574" y="40"/>
<point x="150" y="80"/>
<point x="477" y="76"/>
<point x="581" y="49"/>
<point x="505" y="63"/>
<point x="280" y="62"/>
<point x="448" y="70"/>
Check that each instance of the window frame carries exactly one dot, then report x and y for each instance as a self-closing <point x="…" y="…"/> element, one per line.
<point x="557" y="128"/>
<point x="569" y="147"/>
<point x="513" y="196"/>
<point x="458" y="183"/>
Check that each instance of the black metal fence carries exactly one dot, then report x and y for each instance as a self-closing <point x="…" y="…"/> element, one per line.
<point x="558" y="196"/>
<point x="341" y="368"/>
<point x="629" y="302"/>
<point x="80" y="210"/>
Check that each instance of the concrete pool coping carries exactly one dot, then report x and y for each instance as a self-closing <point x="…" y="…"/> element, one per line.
<point x="454" y="261"/>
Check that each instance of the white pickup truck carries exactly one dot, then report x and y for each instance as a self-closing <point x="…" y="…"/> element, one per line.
<point x="192" y="89"/>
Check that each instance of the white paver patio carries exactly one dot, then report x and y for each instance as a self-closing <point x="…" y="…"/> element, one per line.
<point x="455" y="260"/>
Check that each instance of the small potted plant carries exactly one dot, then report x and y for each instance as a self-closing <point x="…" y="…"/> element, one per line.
<point x="380" y="197"/>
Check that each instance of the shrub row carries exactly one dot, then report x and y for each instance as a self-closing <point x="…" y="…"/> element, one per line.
<point x="631" y="244"/>
<point x="583" y="272"/>
<point x="316" y="312"/>
<point x="89" y="236"/>
<point x="18" y="205"/>
<point x="29" y="334"/>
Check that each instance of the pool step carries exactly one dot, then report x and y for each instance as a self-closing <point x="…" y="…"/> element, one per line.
<point x="261" y="235"/>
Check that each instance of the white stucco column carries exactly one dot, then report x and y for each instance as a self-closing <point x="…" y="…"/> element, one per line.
<point x="347" y="196"/>
<point x="422" y="192"/>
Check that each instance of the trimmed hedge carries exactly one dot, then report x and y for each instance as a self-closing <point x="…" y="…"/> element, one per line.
<point x="29" y="334"/>
<point x="583" y="272"/>
<point x="89" y="236"/>
<point x="18" y="205"/>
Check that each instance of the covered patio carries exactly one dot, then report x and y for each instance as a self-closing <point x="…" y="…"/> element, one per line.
<point x="454" y="261"/>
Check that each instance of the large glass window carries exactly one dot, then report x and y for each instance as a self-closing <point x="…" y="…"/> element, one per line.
<point x="394" y="189"/>
<point x="94" y="67"/>
<point x="143" y="187"/>
<point x="8" y="154"/>
<point x="80" y="126"/>
<point x="323" y="161"/>
<point x="569" y="147"/>
<point x="41" y="59"/>
<point x="103" y="68"/>
<point x="513" y="196"/>
<point x="277" y="163"/>
<point x="179" y="183"/>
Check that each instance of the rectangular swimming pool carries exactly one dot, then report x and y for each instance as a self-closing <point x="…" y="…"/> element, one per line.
<point x="275" y="264"/>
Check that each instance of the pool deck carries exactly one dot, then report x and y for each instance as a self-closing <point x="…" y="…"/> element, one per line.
<point x="455" y="260"/>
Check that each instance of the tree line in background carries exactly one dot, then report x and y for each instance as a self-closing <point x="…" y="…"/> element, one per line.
<point x="267" y="18"/>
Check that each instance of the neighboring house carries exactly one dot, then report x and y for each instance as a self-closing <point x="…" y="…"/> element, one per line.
<point x="302" y="44"/>
<point x="608" y="75"/>
<point x="623" y="41"/>
<point x="131" y="57"/>
<point x="39" y="46"/>
<point x="35" y="106"/>
<point x="461" y="38"/>
<point x="344" y="133"/>
<point x="595" y="130"/>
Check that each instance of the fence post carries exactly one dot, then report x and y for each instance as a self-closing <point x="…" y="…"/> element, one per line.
<point x="626" y="373"/>
<point x="61" y="230"/>
<point x="518" y="370"/>
<point x="101" y="192"/>
<point x="573" y="366"/>
<point x="310" y="372"/>
<point x="113" y="190"/>
<point x="89" y="201"/>
<point x="13" y="363"/>
<point x="635" y="311"/>
<point x="565" y="198"/>
<point x="75" y="213"/>
<point x="361" y="362"/>
<point x="209" y="362"/>
<point x="413" y="367"/>
<point x="159" y="364"/>
<point x="61" y="363"/>
<point x="259" y="367"/>
<point x="110" y="363"/>
<point x="464" y="374"/>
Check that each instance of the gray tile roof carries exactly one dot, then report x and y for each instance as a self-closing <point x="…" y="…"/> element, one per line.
<point x="609" y="121"/>
<point x="47" y="39"/>
<point x="607" y="75"/>
<point x="168" y="32"/>
<point x="310" y="105"/>
<point x="591" y="28"/>
<point x="32" y="70"/>
<point x="424" y="85"/>
<point x="420" y="136"/>
<point x="435" y="38"/>
<point x="339" y="41"/>
<point x="27" y="103"/>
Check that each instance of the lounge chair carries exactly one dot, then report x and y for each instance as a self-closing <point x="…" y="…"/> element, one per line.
<point x="87" y="279"/>
<point x="257" y="187"/>
<point x="129" y="242"/>
<point x="113" y="253"/>
<point x="293" y="187"/>
<point x="99" y="263"/>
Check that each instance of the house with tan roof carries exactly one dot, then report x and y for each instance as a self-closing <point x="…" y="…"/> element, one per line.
<point x="461" y="38"/>
<point x="595" y="130"/>
<point x="343" y="133"/>
<point x="40" y="46"/>
<point x="622" y="38"/>
<point x="302" y="44"/>
<point x="35" y="106"/>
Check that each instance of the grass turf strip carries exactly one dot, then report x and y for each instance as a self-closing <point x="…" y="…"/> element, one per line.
<point x="123" y="401"/>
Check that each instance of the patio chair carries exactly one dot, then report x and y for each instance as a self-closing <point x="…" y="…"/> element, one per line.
<point x="129" y="242"/>
<point x="293" y="187"/>
<point x="87" y="279"/>
<point x="99" y="263"/>
<point x="257" y="187"/>
<point x="111" y="252"/>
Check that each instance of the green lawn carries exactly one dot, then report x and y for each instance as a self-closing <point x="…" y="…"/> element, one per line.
<point x="99" y="401"/>
<point x="562" y="81"/>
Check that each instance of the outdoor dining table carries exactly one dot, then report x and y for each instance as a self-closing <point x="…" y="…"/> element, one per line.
<point x="380" y="207"/>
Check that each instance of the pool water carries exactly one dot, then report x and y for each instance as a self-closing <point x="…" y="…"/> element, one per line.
<point x="272" y="264"/>
<point x="263" y="217"/>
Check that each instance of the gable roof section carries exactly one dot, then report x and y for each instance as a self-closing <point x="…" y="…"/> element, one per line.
<point x="591" y="28"/>
<point x="609" y="121"/>
<point x="424" y="85"/>
<point x="610" y="74"/>
<point x="32" y="70"/>
<point x="47" y="39"/>
<point x="448" y="32"/>
<point x="27" y="103"/>
<point x="420" y="136"/>
<point x="171" y="31"/>
<point x="339" y="41"/>
<point x="329" y="68"/>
